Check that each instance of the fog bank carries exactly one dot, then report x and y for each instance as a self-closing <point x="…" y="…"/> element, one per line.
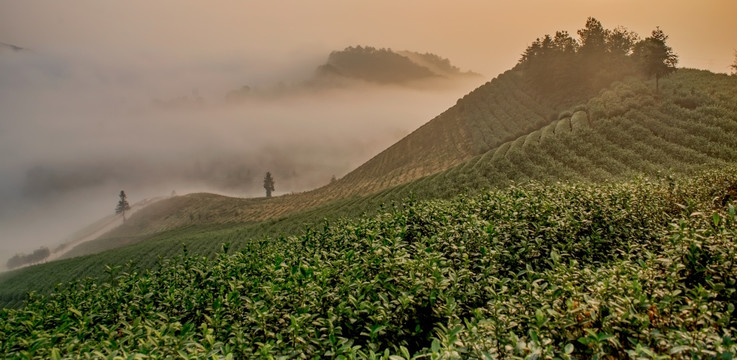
<point x="74" y="131"/>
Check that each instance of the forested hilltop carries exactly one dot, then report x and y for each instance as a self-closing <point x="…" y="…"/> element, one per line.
<point x="572" y="214"/>
<point x="388" y="67"/>
<point x="565" y="69"/>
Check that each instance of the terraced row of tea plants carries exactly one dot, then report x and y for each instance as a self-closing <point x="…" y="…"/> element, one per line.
<point x="629" y="130"/>
<point x="640" y="269"/>
<point x="498" y="111"/>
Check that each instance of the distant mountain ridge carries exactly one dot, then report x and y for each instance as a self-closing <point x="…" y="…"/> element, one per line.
<point x="386" y="66"/>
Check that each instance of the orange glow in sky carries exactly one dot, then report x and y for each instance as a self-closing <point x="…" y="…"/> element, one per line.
<point x="485" y="36"/>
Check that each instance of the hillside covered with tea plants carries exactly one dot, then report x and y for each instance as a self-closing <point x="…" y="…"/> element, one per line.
<point x="637" y="269"/>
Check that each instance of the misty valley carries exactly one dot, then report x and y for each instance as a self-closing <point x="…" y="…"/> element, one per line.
<point x="316" y="128"/>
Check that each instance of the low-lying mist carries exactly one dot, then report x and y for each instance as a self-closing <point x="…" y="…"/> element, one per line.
<point x="75" y="130"/>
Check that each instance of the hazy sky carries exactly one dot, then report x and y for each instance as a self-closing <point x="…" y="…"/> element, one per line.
<point x="76" y="123"/>
<point x="486" y="36"/>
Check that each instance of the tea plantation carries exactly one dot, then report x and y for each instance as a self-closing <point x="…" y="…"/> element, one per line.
<point x="559" y="211"/>
<point x="641" y="269"/>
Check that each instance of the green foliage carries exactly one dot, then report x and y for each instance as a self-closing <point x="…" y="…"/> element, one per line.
<point x="642" y="269"/>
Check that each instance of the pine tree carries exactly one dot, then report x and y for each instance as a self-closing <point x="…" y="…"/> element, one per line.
<point x="268" y="184"/>
<point x="655" y="57"/>
<point x="123" y="205"/>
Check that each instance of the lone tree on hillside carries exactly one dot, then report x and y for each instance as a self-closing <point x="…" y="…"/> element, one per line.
<point x="123" y="205"/>
<point x="655" y="57"/>
<point x="268" y="184"/>
<point x="734" y="65"/>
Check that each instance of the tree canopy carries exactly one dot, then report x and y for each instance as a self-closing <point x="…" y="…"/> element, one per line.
<point x="564" y="65"/>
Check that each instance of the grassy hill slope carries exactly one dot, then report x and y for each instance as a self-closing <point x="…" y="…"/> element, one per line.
<point x="628" y="129"/>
